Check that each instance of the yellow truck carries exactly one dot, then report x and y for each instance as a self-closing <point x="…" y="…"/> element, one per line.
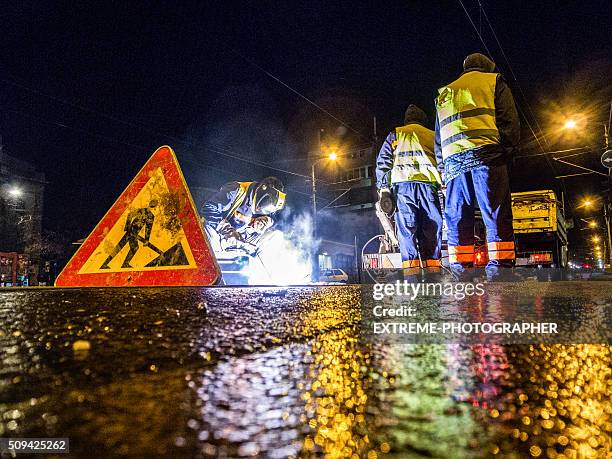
<point x="540" y="229"/>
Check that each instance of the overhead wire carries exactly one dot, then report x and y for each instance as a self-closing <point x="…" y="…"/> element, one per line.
<point x="491" y="54"/>
<point x="190" y="158"/>
<point x="523" y="114"/>
<point x="223" y="151"/>
<point x="215" y="148"/>
<point x="520" y="88"/>
<point x="290" y="88"/>
<point x="528" y="105"/>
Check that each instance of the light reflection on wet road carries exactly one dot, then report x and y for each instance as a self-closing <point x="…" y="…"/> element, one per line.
<point x="284" y="373"/>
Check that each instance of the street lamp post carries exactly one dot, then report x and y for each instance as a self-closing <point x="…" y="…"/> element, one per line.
<point x="332" y="156"/>
<point x="607" y="220"/>
<point x="313" y="198"/>
<point x="571" y="124"/>
<point x="608" y="237"/>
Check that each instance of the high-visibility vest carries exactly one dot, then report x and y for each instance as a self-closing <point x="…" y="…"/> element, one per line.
<point x="413" y="155"/>
<point x="238" y="200"/>
<point x="466" y="113"/>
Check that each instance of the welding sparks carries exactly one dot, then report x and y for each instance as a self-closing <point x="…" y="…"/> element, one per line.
<point x="279" y="262"/>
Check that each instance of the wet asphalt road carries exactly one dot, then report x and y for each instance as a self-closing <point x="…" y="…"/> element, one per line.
<point x="288" y="372"/>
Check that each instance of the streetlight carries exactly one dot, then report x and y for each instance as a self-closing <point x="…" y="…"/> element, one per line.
<point x="331" y="156"/>
<point x="595" y="239"/>
<point x="15" y="192"/>
<point x="572" y="124"/>
<point x="589" y="203"/>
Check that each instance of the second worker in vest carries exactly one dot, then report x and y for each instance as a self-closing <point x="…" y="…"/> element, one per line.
<point x="406" y="166"/>
<point x="477" y="132"/>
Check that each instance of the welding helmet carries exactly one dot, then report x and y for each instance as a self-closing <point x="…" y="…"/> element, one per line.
<point x="269" y="196"/>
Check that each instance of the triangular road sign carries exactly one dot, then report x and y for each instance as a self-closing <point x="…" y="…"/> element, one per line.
<point x="151" y="236"/>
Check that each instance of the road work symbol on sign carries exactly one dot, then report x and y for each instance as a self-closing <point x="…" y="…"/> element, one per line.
<point x="147" y="236"/>
<point x="151" y="236"/>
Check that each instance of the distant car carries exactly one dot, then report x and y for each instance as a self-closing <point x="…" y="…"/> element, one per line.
<point x="333" y="275"/>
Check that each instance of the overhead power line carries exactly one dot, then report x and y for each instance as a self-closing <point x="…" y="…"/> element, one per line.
<point x="214" y="148"/>
<point x="520" y="88"/>
<point x="293" y="90"/>
<point x="223" y="151"/>
<point x="523" y="114"/>
<point x="491" y="55"/>
<point x="567" y="150"/>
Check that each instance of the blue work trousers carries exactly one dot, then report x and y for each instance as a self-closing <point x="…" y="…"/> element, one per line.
<point x="489" y="188"/>
<point x="418" y="221"/>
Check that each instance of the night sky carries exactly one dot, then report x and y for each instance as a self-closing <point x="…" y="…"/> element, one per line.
<point x="89" y="90"/>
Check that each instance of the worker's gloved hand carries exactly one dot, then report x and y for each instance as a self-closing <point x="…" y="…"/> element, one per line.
<point x="261" y="224"/>
<point x="230" y="234"/>
<point x="383" y="192"/>
<point x="385" y="201"/>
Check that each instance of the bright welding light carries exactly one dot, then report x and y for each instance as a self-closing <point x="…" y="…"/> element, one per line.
<point x="15" y="192"/>
<point x="279" y="262"/>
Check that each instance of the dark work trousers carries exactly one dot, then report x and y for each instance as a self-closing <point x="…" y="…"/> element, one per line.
<point x="418" y="221"/>
<point x="489" y="188"/>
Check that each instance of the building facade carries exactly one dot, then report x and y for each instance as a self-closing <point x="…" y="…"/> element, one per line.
<point x="21" y="207"/>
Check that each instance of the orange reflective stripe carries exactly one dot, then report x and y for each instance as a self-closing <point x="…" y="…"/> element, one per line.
<point x="432" y="264"/>
<point x="411" y="264"/>
<point x="461" y="258"/>
<point x="461" y="253"/>
<point x="411" y="271"/>
<point x="501" y="250"/>
<point x="502" y="255"/>
<point x="453" y="249"/>
<point x="500" y="245"/>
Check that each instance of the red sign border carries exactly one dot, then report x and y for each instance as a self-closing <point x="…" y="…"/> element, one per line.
<point x="205" y="273"/>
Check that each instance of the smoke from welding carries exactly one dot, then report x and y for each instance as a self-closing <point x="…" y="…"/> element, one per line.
<point x="284" y="258"/>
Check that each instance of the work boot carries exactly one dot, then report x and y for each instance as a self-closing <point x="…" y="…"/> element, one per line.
<point x="462" y="273"/>
<point x="499" y="273"/>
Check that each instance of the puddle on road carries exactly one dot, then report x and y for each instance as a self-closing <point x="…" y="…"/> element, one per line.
<point x="340" y="396"/>
<point x="338" y="391"/>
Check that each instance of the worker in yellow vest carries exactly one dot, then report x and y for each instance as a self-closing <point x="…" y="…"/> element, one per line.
<point x="477" y="133"/>
<point x="241" y="210"/>
<point x="406" y="168"/>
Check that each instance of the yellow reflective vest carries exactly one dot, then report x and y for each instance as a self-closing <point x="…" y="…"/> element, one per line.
<point x="238" y="200"/>
<point x="466" y="113"/>
<point x="413" y="155"/>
